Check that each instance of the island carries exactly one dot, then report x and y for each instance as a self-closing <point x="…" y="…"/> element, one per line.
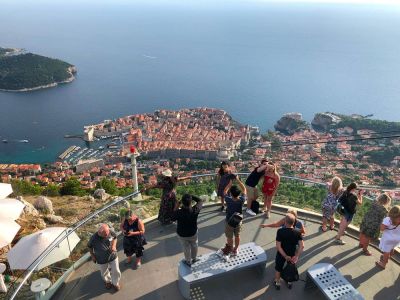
<point x="21" y="71"/>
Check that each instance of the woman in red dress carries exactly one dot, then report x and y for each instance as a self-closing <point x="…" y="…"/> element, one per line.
<point x="270" y="186"/>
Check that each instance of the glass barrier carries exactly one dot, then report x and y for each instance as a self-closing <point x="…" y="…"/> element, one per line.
<point x="293" y="191"/>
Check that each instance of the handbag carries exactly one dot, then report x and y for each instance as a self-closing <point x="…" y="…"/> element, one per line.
<point x="340" y="209"/>
<point x="235" y="219"/>
<point x="290" y="272"/>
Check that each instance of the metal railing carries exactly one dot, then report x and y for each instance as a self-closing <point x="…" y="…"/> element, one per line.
<point x="65" y="234"/>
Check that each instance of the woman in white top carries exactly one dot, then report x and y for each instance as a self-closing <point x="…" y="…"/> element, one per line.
<point x="391" y="235"/>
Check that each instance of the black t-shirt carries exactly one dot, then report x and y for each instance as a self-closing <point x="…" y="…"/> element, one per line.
<point x="187" y="220"/>
<point x="254" y="178"/>
<point x="349" y="202"/>
<point x="289" y="239"/>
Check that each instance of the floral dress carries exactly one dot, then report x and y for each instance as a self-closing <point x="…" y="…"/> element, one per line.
<point x="168" y="199"/>
<point x="370" y="225"/>
<point x="329" y="205"/>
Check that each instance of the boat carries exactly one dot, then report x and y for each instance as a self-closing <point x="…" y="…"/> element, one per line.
<point x="5" y="141"/>
<point x="101" y="148"/>
<point x="23" y="141"/>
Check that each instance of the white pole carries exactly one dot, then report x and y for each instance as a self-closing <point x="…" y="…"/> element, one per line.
<point x="134" y="174"/>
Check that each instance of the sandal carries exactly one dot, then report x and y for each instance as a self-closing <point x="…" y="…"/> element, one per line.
<point x="380" y="264"/>
<point x="332" y="227"/>
<point x="277" y="285"/>
<point x="367" y="253"/>
<point x="324" y="229"/>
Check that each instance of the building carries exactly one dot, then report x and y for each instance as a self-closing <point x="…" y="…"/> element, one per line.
<point x="88" y="133"/>
<point x="87" y="165"/>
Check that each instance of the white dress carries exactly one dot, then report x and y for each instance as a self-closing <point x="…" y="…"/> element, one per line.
<point x="391" y="236"/>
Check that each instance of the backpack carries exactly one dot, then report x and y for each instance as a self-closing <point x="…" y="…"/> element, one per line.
<point x="290" y="272"/>
<point x="235" y="220"/>
<point x="255" y="206"/>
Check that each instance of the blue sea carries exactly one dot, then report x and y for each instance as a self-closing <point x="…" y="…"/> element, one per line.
<point x="255" y="59"/>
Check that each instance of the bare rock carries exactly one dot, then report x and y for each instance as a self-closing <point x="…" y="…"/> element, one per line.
<point x="322" y="121"/>
<point x="101" y="194"/>
<point x="29" y="209"/>
<point x="290" y="123"/>
<point x="53" y="219"/>
<point x="44" y="204"/>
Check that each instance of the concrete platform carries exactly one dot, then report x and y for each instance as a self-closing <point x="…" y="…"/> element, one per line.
<point x="157" y="279"/>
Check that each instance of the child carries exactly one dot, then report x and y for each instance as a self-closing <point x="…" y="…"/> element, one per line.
<point x="329" y="204"/>
<point x="391" y="235"/>
<point x="233" y="224"/>
<point x="224" y="178"/>
<point x="372" y="220"/>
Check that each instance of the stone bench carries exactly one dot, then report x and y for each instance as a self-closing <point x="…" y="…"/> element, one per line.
<point x="211" y="265"/>
<point x="331" y="282"/>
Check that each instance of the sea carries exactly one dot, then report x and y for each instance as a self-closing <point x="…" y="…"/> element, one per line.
<point x="255" y="59"/>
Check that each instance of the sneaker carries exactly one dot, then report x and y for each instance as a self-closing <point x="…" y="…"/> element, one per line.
<point x="277" y="285"/>
<point x="289" y="285"/>
<point x="267" y="214"/>
<point x="226" y="250"/>
<point x="340" y="242"/>
<point x="250" y="212"/>
<point x="234" y="252"/>
<point x="138" y="265"/>
<point x="195" y="260"/>
<point x="108" y="285"/>
<point x="187" y="263"/>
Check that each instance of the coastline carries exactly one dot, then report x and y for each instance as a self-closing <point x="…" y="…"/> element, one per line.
<point x="71" y="70"/>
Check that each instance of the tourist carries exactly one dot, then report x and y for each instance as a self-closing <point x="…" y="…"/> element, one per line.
<point x="103" y="250"/>
<point x="224" y="177"/>
<point x="335" y="189"/>
<point x="370" y="225"/>
<point x="270" y="187"/>
<point x="349" y="201"/>
<point x="186" y="218"/>
<point x="133" y="230"/>
<point x="233" y="220"/>
<point x="289" y="245"/>
<point x="298" y="225"/>
<point x="168" y="198"/>
<point x="391" y="235"/>
<point x="251" y="185"/>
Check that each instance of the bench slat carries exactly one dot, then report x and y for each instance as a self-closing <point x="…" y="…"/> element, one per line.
<point x="332" y="283"/>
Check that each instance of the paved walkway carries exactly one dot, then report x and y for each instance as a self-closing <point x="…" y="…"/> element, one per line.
<point x="157" y="279"/>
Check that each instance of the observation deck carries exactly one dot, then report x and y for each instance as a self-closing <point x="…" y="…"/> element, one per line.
<point x="157" y="278"/>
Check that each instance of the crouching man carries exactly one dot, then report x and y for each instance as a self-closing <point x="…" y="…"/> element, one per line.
<point x="103" y="250"/>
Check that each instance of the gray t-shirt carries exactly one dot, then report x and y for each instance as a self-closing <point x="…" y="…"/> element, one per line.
<point x="102" y="247"/>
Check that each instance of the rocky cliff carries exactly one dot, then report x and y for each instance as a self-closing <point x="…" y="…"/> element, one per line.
<point x="290" y="123"/>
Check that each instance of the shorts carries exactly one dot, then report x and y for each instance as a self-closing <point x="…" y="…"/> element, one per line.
<point x="252" y="192"/>
<point x="348" y="216"/>
<point x="279" y="262"/>
<point x="230" y="231"/>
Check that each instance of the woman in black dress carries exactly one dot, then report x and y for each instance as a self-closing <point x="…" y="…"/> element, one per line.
<point x="168" y="197"/>
<point x="133" y="230"/>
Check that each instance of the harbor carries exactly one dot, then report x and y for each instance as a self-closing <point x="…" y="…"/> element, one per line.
<point x="99" y="149"/>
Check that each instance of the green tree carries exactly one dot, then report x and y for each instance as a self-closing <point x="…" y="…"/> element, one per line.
<point x="51" y="190"/>
<point x="22" y="187"/>
<point x="72" y="187"/>
<point x="108" y="185"/>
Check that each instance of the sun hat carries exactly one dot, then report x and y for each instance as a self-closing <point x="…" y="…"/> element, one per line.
<point x="167" y="173"/>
